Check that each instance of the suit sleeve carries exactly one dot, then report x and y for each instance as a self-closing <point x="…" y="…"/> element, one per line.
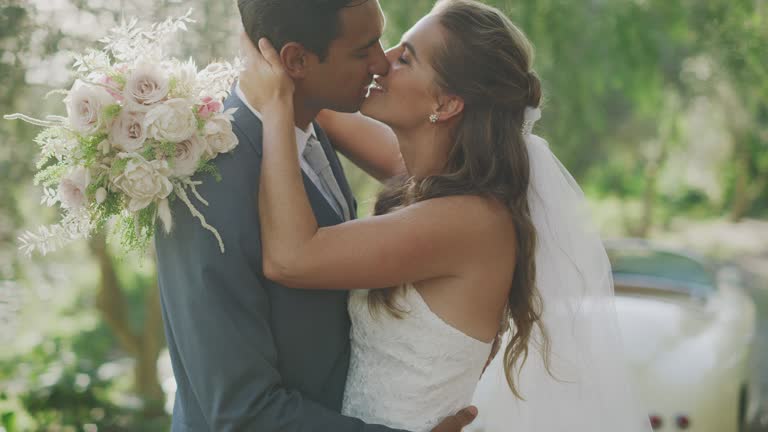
<point x="218" y="315"/>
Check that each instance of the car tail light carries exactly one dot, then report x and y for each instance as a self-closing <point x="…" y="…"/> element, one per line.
<point x="656" y="422"/>
<point x="683" y="422"/>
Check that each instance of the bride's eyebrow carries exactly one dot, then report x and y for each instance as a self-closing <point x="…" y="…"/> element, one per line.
<point x="409" y="47"/>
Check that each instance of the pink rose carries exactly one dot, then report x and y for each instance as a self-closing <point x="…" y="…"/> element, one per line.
<point x="146" y="86"/>
<point x="127" y="132"/>
<point x="187" y="156"/>
<point x="209" y="107"/>
<point x="85" y="105"/>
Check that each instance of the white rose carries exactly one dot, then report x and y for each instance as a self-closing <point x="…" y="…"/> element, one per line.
<point x="127" y="132"/>
<point x="144" y="181"/>
<point x="187" y="156"/>
<point x="146" y="85"/>
<point x="219" y="135"/>
<point x="171" y="121"/>
<point x="85" y="107"/>
<point x="72" y="188"/>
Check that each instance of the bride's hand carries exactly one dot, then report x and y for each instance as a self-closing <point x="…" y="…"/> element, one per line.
<point x="264" y="80"/>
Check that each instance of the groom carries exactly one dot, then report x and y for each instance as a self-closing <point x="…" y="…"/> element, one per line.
<point x="247" y="353"/>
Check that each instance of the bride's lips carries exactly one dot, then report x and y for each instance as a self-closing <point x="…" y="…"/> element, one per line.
<point x="376" y="87"/>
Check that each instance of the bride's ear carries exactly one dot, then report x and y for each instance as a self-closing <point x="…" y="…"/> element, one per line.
<point x="295" y="59"/>
<point x="449" y="107"/>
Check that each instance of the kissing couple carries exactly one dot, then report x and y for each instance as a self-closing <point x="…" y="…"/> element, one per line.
<point x="478" y="280"/>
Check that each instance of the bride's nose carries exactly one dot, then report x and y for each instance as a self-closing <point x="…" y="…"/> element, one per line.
<point x="392" y="54"/>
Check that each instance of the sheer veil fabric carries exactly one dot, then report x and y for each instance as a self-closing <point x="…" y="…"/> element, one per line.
<point x="590" y="390"/>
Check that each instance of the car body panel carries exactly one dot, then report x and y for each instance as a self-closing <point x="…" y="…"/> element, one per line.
<point x="687" y="333"/>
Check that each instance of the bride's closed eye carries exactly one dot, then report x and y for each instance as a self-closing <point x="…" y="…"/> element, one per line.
<point x="402" y="57"/>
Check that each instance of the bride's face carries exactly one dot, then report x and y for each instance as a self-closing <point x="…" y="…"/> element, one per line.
<point x="407" y="94"/>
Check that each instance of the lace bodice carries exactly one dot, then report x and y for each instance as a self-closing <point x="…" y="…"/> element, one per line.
<point x="409" y="373"/>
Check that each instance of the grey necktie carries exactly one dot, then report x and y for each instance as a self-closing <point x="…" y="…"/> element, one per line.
<point x="318" y="161"/>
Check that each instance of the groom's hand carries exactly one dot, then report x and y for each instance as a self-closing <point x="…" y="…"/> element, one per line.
<point x="457" y="422"/>
<point x="264" y="78"/>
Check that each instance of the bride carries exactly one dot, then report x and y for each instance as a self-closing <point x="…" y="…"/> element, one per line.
<point x="481" y="242"/>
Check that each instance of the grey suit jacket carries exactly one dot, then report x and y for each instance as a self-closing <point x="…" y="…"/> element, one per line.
<point x="247" y="353"/>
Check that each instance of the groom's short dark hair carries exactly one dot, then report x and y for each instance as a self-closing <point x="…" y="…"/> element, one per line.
<point x="312" y="23"/>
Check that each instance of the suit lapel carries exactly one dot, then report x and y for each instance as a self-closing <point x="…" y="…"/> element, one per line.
<point x="251" y="128"/>
<point x="324" y="213"/>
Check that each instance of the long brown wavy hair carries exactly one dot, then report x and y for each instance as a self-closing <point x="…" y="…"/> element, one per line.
<point x="486" y="60"/>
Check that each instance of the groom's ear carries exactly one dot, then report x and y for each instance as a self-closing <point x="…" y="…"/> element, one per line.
<point x="449" y="107"/>
<point x="296" y="59"/>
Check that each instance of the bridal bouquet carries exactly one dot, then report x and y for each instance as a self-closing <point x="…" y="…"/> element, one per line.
<point x="139" y="126"/>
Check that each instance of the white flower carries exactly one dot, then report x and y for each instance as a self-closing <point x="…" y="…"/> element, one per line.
<point x="186" y="79"/>
<point x="208" y="76"/>
<point x="171" y="121"/>
<point x="217" y="78"/>
<point x="60" y="147"/>
<point x="219" y="135"/>
<point x="187" y="156"/>
<point x="144" y="181"/>
<point x="213" y="69"/>
<point x="85" y="107"/>
<point x="127" y="132"/>
<point x="72" y="188"/>
<point x="147" y="85"/>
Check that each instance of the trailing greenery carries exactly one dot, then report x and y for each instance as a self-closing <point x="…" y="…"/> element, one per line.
<point x="208" y="167"/>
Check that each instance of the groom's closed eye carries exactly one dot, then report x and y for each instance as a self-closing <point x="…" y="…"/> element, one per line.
<point x="364" y="50"/>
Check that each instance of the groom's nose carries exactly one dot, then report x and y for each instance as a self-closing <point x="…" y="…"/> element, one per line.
<point x="379" y="62"/>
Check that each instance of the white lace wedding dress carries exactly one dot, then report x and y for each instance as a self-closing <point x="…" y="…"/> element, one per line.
<point x="409" y="373"/>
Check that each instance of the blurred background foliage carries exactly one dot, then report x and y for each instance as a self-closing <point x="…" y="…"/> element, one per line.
<point x="659" y="108"/>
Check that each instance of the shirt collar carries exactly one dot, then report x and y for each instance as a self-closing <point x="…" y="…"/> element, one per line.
<point x="302" y="136"/>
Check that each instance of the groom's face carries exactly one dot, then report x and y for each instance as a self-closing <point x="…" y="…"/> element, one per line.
<point x="340" y="82"/>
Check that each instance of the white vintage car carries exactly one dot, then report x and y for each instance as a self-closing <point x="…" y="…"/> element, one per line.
<point x="688" y="329"/>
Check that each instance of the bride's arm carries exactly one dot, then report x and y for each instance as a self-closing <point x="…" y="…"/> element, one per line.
<point x="368" y="143"/>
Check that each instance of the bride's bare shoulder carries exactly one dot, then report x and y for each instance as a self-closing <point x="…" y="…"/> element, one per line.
<point x="484" y="218"/>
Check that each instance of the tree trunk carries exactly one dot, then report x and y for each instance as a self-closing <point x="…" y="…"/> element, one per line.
<point x="143" y="346"/>
<point x="110" y="299"/>
<point x="147" y="383"/>
<point x="740" y="203"/>
<point x="650" y="194"/>
<point x="152" y="342"/>
<point x="649" y="201"/>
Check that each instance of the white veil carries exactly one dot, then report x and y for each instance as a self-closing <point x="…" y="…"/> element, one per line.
<point x="591" y="390"/>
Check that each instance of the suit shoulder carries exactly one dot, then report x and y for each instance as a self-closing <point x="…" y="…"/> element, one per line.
<point x="245" y="124"/>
